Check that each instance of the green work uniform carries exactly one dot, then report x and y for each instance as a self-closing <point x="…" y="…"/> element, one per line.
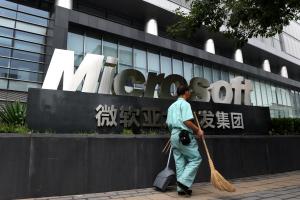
<point x="187" y="158"/>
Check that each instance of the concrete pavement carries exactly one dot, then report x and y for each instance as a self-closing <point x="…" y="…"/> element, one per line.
<point x="265" y="187"/>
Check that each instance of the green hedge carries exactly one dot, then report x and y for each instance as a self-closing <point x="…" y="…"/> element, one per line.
<point x="285" y="126"/>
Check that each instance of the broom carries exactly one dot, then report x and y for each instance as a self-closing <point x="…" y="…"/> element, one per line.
<point x="217" y="180"/>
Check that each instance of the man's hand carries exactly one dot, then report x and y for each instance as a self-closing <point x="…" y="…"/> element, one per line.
<point x="200" y="133"/>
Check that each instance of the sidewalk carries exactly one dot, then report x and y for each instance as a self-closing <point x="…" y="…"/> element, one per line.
<point x="266" y="187"/>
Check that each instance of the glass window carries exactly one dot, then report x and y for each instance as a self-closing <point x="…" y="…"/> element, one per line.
<point x="225" y="76"/>
<point x="29" y="46"/>
<point x="75" y="43"/>
<point x="139" y="58"/>
<point x="284" y="102"/>
<point x="166" y="66"/>
<point x="18" y="64"/>
<point x="264" y="94"/>
<point x="32" y="19"/>
<point x="252" y="94"/>
<point x="188" y="71"/>
<point x="216" y="74"/>
<point x="125" y="56"/>
<point x="4" y="62"/>
<point x="92" y="45"/>
<point x="274" y="97"/>
<point x="78" y="59"/>
<point x="231" y="76"/>
<point x="33" y="11"/>
<point x="22" y="86"/>
<point x="6" y="32"/>
<point x="26" y="76"/>
<point x="153" y="62"/>
<point x="198" y="71"/>
<point x="8" y="13"/>
<point x="8" y="4"/>
<point x="207" y="73"/>
<point x="28" y="56"/>
<point x="110" y="49"/>
<point x="5" y="42"/>
<point x="5" y="51"/>
<point x="258" y="93"/>
<point x="123" y="67"/>
<point x="7" y="22"/>
<point x="31" y="28"/>
<point x="278" y="95"/>
<point x="3" y="84"/>
<point x="3" y="72"/>
<point x="269" y="94"/>
<point x="30" y="37"/>
<point x="177" y="67"/>
<point x="288" y="97"/>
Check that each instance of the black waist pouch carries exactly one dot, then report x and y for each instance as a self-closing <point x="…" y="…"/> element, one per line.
<point x="184" y="137"/>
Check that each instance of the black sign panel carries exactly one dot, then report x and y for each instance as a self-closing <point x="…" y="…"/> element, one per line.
<point x="78" y="112"/>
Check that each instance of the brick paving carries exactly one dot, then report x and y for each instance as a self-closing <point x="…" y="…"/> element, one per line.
<point x="266" y="187"/>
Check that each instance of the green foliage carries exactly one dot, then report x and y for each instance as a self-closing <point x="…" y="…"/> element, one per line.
<point x="237" y="19"/>
<point x="127" y="131"/>
<point x="13" y="113"/>
<point x="285" y="126"/>
<point x="6" y="128"/>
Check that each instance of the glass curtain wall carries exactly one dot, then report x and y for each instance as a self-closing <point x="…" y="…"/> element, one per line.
<point x="281" y="101"/>
<point x="22" y="46"/>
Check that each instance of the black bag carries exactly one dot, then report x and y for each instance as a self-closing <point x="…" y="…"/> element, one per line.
<point x="184" y="137"/>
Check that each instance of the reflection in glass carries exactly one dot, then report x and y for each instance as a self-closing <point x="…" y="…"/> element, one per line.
<point x="8" y="13"/>
<point x="166" y="67"/>
<point x="6" y="32"/>
<point x="92" y="45"/>
<point x="198" y="71"/>
<point x="7" y="22"/>
<point x="3" y="84"/>
<point x="29" y="46"/>
<point x="22" y="86"/>
<point x="26" y="76"/>
<point x="3" y="72"/>
<point x="30" y="37"/>
<point x="4" y="62"/>
<point x="258" y="93"/>
<point x="216" y="75"/>
<point x="177" y="67"/>
<point x="207" y="73"/>
<point x="75" y="43"/>
<point x="33" y="11"/>
<point x="5" y="51"/>
<point x="31" y="28"/>
<point x="28" y="56"/>
<point x="110" y="49"/>
<point x="8" y="4"/>
<point x="188" y="71"/>
<point x="18" y="64"/>
<point x="153" y="62"/>
<point x="125" y="56"/>
<point x="5" y="42"/>
<point x="32" y="19"/>
<point x="139" y="58"/>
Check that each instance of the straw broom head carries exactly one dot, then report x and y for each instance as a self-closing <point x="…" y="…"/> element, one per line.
<point x="217" y="180"/>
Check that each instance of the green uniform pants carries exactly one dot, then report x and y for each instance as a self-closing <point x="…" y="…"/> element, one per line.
<point x="187" y="160"/>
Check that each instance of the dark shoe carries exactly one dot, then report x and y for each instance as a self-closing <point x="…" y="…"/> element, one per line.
<point x="182" y="193"/>
<point x="184" y="188"/>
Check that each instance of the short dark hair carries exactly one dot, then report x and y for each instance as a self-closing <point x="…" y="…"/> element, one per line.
<point x="181" y="89"/>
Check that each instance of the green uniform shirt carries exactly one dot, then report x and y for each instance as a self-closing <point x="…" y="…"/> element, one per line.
<point x="179" y="112"/>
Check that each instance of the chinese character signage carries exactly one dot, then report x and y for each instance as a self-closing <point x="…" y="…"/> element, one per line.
<point x="71" y="112"/>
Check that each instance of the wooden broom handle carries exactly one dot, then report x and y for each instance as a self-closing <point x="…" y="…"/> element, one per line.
<point x="205" y="146"/>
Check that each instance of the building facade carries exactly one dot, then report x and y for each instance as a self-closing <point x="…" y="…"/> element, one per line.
<point x="134" y="32"/>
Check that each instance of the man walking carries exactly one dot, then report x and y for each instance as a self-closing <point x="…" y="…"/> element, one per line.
<point x="185" y="147"/>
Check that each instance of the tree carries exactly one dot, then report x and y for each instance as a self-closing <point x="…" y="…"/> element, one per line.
<point x="237" y="19"/>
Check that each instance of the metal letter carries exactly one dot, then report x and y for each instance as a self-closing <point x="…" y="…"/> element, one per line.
<point x="167" y="82"/>
<point x="199" y="89"/>
<point x="62" y="64"/>
<point x="152" y="80"/>
<point x="215" y="92"/>
<point x="132" y="75"/>
<point x="108" y="74"/>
